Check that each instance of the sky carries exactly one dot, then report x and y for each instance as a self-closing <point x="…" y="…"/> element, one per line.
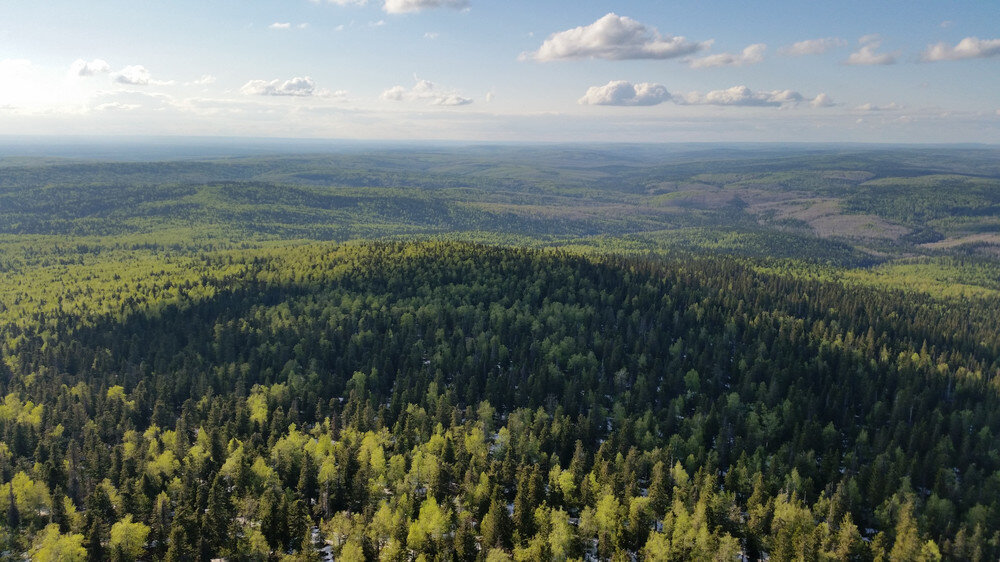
<point x="500" y="71"/>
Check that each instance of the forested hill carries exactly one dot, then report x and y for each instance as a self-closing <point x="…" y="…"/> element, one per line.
<point x="460" y="401"/>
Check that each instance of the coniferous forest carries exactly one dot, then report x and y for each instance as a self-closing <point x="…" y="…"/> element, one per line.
<point x="503" y="354"/>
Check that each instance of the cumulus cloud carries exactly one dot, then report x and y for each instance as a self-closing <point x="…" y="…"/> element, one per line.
<point x="204" y="80"/>
<point x="822" y="100"/>
<point x="406" y="6"/>
<point x="812" y="46"/>
<point x="283" y="26"/>
<point x="117" y="106"/>
<point x="344" y="2"/>
<point x="866" y="55"/>
<point x="750" y="55"/>
<point x="621" y="92"/>
<point x="624" y="93"/>
<point x="81" y="67"/>
<point x="968" y="48"/>
<point x="137" y="75"/>
<point x="614" y="37"/>
<point x="425" y="90"/>
<point x="299" y="86"/>
<point x="872" y="107"/>
<point x="742" y="96"/>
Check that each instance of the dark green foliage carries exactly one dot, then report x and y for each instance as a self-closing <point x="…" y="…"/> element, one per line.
<point x="644" y="375"/>
<point x="446" y="398"/>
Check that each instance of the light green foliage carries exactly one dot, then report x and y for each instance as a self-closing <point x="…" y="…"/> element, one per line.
<point x="50" y="545"/>
<point x="31" y="496"/>
<point x="12" y="409"/>
<point x="163" y="466"/>
<point x="217" y="361"/>
<point x="431" y="524"/>
<point x="497" y="555"/>
<point x="352" y="552"/>
<point x="129" y="537"/>
<point x="257" y="404"/>
<point x="561" y="535"/>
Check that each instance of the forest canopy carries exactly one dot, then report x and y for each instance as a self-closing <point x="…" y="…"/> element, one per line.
<point x="219" y="365"/>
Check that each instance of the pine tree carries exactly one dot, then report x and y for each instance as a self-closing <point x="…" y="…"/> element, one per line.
<point x="95" y="550"/>
<point x="13" y="515"/>
<point x="218" y="517"/>
<point x="307" y="484"/>
<point x="659" y="490"/>
<point x="497" y="525"/>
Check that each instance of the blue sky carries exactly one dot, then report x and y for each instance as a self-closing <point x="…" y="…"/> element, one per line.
<point x="888" y="71"/>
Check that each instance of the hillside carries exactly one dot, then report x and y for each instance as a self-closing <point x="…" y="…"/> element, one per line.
<point x="671" y="356"/>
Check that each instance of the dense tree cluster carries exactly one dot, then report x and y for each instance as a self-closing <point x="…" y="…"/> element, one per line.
<point x="457" y="401"/>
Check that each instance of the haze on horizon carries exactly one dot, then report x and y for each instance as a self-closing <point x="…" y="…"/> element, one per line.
<point x="775" y="71"/>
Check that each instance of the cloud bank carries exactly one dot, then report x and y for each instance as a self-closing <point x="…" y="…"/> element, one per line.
<point x="873" y="107"/>
<point x="866" y="55"/>
<point x="137" y="75"/>
<point x="751" y="55"/>
<point x="344" y="2"/>
<point x="299" y="86"/>
<point x="624" y="93"/>
<point x="614" y="37"/>
<point x="407" y="6"/>
<point x="812" y="46"/>
<point x="425" y="90"/>
<point x="968" y="48"/>
<point x="621" y="92"/>
<point x="81" y="67"/>
<point x="742" y="96"/>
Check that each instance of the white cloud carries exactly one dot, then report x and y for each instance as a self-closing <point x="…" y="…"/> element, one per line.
<point x="299" y="87"/>
<point x="281" y="26"/>
<point x="344" y="2"/>
<point x="822" y="100"/>
<point x="968" y="48"/>
<point x="621" y="92"/>
<point x="614" y="37"/>
<point x="742" y="96"/>
<point x="137" y="75"/>
<point x="29" y="89"/>
<point x="947" y="23"/>
<point x="81" y="67"/>
<point x="395" y="93"/>
<point x="425" y="90"/>
<point x="872" y="107"/>
<point x="378" y="23"/>
<point x="117" y="106"/>
<point x="406" y="6"/>
<point x="204" y="80"/>
<point x="750" y="55"/>
<point x="866" y="55"/>
<point x="431" y="35"/>
<point x="812" y="46"/>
